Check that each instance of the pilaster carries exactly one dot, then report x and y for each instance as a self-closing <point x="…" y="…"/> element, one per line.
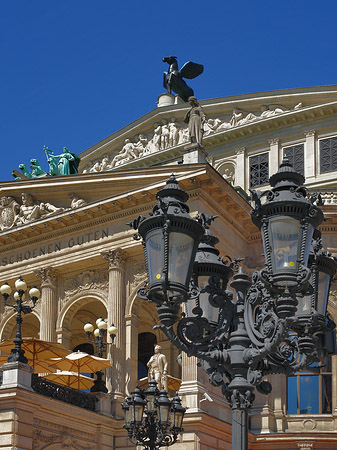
<point x="48" y="301"/>
<point x="274" y="155"/>
<point x="309" y="154"/>
<point x="240" y="174"/>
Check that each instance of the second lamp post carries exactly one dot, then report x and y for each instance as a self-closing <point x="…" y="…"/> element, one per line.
<point x="97" y="336"/>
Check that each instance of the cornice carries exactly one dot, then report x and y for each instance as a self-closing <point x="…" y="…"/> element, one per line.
<point x="195" y="179"/>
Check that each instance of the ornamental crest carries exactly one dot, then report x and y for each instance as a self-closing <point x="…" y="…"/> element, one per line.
<point x="89" y="279"/>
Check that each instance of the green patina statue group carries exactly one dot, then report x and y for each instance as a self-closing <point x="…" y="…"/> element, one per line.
<point x="64" y="164"/>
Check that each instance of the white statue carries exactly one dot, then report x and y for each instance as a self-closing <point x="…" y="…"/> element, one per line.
<point x="76" y="202"/>
<point x="158" y="368"/>
<point x="165" y="133"/>
<point x="33" y="210"/>
<point x="173" y="132"/>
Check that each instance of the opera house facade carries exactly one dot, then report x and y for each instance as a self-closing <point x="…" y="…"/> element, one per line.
<point x="67" y="235"/>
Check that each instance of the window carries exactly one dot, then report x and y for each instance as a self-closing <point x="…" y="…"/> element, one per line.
<point x="311" y="392"/>
<point x="328" y="154"/>
<point x="295" y="154"/>
<point x="259" y="170"/>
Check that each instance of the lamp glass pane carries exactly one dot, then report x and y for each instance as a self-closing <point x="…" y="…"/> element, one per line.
<point x="284" y="240"/>
<point x="310" y="232"/>
<point x="164" y="411"/>
<point x="155" y="255"/>
<point x="150" y="402"/>
<point x="210" y="312"/>
<point x="179" y="257"/>
<point x="304" y="305"/>
<point x="323" y="291"/>
<point x="138" y="413"/>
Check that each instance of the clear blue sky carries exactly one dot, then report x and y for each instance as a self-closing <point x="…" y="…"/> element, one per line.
<point x="75" y="71"/>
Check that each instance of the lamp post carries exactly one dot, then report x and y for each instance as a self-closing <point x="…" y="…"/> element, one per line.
<point x="97" y="337"/>
<point x="151" y="419"/>
<point x="263" y="331"/>
<point x="17" y="354"/>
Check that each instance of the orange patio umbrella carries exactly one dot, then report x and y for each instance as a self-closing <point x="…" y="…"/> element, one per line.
<point x="39" y="366"/>
<point x="36" y="349"/>
<point x="81" y="362"/>
<point x="70" y="379"/>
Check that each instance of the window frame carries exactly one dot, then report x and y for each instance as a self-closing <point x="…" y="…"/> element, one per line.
<point x="250" y="158"/>
<point x="293" y="146"/>
<point x="320" y="155"/>
<point x="305" y="373"/>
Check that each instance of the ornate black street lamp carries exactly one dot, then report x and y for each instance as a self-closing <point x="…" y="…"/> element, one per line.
<point x="97" y="337"/>
<point x="17" y="354"/>
<point x="267" y="328"/>
<point x="151" y="419"/>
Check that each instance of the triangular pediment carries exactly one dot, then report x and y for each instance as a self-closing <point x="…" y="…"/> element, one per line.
<point x="160" y="137"/>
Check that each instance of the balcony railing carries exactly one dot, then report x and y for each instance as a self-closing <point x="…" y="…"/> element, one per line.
<point x="63" y="393"/>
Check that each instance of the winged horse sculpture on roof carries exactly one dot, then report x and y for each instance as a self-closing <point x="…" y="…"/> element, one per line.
<point x="173" y="79"/>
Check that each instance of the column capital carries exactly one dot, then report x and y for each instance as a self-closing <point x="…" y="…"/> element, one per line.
<point x="240" y="151"/>
<point x="48" y="276"/>
<point x="274" y="141"/>
<point x="116" y="258"/>
<point x="310" y="133"/>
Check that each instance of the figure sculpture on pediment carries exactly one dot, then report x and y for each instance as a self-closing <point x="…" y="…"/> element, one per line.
<point x="141" y="145"/>
<point x="211" y="126"/>
<point x="223" y="126"/>
<point x="96" y="167"/>
<point x="164" y="136"/>
<point x="195" y="118"/>
<point x="184" y="135"/>
<point x="33" y="210"/>
<point x="236" y="117"/>
<point x="250" y="117"/>
<point x="9" y="212"/>
<point x="269" y="111"/>
<point x="105" y="165"/>
<point x="158" y="368"/>
<point x="76" y="201"/>
<point x="154" y="144"/>
<point x="173" y="132"/>
<point x="127" y="153"/>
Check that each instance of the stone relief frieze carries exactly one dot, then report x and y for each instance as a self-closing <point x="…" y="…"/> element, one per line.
<point x="86" y="280"/>
<point x="137" y="274"/>
<point x="66" y="441"/>
<point x="169" y="133"/>
<point x="49" y="433"/>
<point x="13" y="213"/>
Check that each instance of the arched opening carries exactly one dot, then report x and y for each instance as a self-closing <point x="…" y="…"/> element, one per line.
<point x="146" y="344"/>
<point x="30" y="327"/>
<point x="89" y="311"/>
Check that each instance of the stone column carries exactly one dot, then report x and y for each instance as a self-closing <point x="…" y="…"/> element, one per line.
<point x="274" y="155"/>
<point x="240" y="172"/>
<point x="48" y="301"/>
<point x="309" y="155"/>
<point x="116" y="312"/>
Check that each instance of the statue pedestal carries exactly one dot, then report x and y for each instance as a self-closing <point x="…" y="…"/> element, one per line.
<point x="194" y="153"/>
<point x="165" y="99"/>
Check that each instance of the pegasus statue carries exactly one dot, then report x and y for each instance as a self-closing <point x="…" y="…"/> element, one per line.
<point x="173" y="79"/>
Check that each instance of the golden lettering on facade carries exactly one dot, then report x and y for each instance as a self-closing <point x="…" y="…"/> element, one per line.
<point x="54" y="247"/>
